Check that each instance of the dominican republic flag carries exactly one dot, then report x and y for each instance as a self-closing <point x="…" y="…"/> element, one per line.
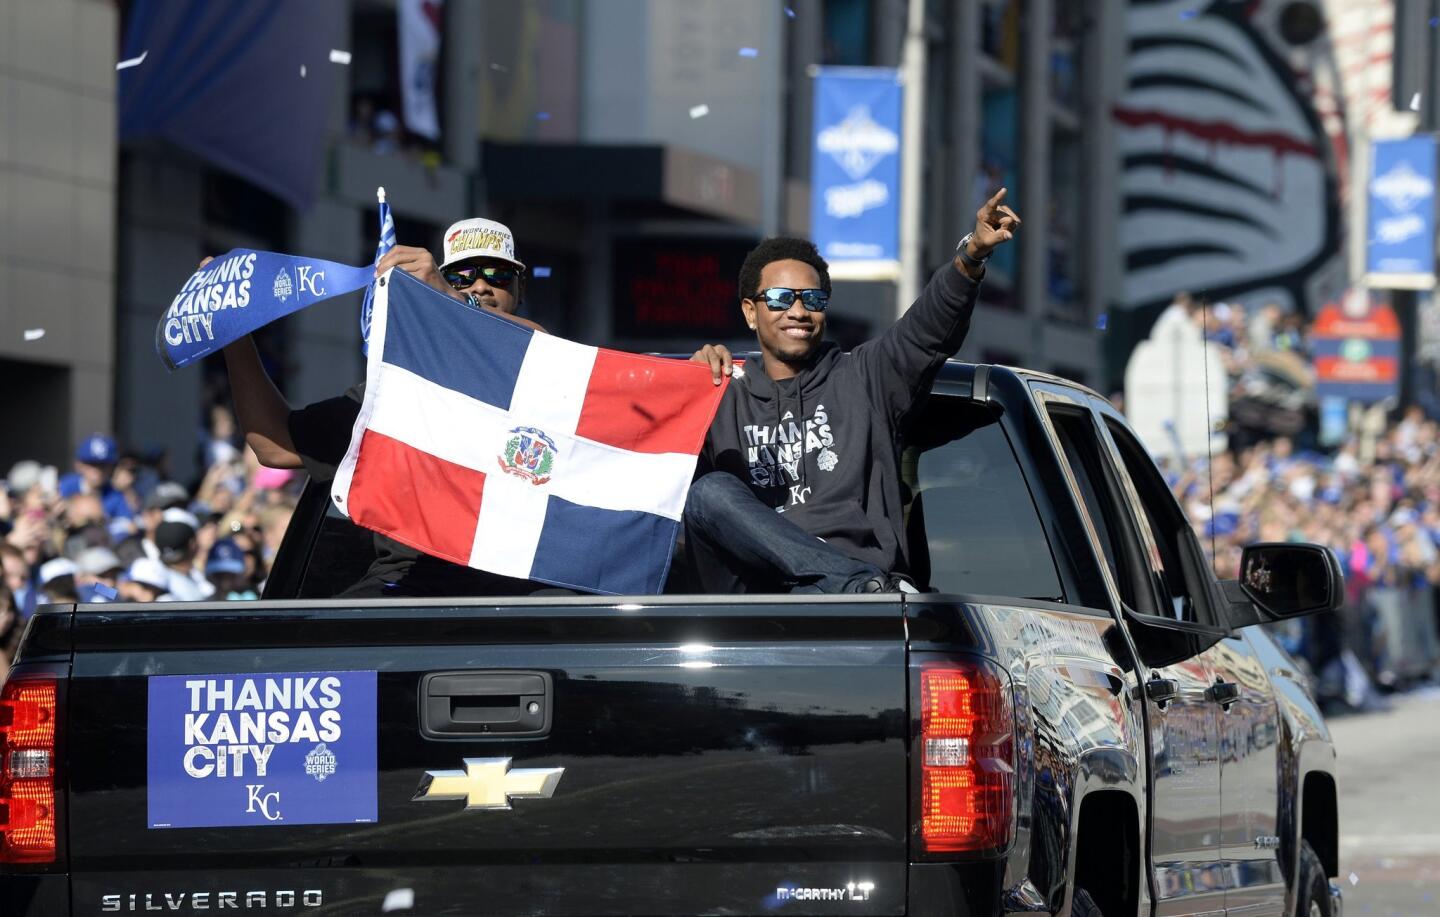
<point x="496" y="447"/>
<point x="387" y="242"/>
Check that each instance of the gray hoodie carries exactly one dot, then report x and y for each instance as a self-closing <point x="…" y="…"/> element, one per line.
<point x="824" y="447"/>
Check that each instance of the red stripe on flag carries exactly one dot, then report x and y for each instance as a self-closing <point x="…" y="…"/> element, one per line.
<point x="419" y="500"/>
<point x="648" y="404"/>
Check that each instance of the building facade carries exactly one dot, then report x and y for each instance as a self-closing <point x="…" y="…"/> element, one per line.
<point x="57" y="225"/>
<point x="640" y="147"/>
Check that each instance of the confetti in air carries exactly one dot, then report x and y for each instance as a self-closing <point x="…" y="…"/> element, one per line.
<point x="339" y="57"/>
<point x="1189" y="14"/>
<point x="542" y="271"/>
<point x="1354" y="879"/>
<point x="400" y="899"/>
<point x="542" y="116"/>
<point x="789" y="12"/>
<point x="132" y="62"/>
<point x="749" y="52"/>
<point x="699" y="111"/>
<point x="302" y="71"/>
<point x="1102" y="321"/>
<point x="34" y="334"/>
<point x="1415" y="102"/>
<point x="500" y="68"/>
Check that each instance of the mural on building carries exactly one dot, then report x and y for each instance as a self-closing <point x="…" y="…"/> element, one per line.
<point x="1233" y="132"/>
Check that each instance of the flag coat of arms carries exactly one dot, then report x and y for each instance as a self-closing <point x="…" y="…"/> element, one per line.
<point x="493" y="446"/>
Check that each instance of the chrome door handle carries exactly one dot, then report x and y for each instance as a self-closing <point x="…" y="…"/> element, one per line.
<point x="1162" y="690"/>
<point x="1223" y="693"/>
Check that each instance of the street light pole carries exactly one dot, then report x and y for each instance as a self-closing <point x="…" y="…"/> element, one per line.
<point x="912" y="156"/>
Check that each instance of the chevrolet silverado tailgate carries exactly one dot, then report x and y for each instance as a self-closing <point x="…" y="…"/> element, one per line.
<point x="549" y="756"/>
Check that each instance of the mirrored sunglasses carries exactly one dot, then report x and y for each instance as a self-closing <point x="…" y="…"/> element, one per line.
<point x="778" y="299"/>
<point x="496" y="275"/>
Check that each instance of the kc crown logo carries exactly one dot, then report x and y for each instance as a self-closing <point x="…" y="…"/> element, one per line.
<point x="262" y="802"/>
<point x="858" y="143"/>
<point x="528" y="454"/>
<point x="310" y="280"/>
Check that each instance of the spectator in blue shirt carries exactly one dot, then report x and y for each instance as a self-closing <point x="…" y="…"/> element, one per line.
<point x="94" y="467"/>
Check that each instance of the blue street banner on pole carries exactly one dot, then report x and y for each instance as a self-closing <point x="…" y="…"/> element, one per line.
<point x="1401" y="246"/>
<point x="855" y="171"/>
<point x="243" y="290"/>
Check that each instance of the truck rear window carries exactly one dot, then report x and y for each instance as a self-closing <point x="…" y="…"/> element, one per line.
<point x="971" y="524"/>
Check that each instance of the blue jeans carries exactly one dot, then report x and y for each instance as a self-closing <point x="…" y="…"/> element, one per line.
<point x="738" y="544"/>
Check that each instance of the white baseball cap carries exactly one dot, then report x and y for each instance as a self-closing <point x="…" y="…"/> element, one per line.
<point x="150" y="573"/>
<point x="52" y="570"/>
<point x="479" y="238"/>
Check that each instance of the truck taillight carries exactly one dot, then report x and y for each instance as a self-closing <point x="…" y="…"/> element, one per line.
<point x="27" y="769"/>
<point x="966" y="753"/>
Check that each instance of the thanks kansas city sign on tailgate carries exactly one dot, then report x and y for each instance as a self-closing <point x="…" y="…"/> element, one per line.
<point x="280" y="748"/>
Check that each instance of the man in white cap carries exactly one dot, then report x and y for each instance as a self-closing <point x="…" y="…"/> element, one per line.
<point x="99" y="575"/>
<point x="147" y="580"/>
<point x="478" y="267"/>
<point x="57" y="581"/>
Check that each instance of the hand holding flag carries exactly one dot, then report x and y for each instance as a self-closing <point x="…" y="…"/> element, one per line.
<point x="387" y="242"/>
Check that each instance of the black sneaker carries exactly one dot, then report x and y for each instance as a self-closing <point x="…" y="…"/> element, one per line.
<point x="887" y="583"/>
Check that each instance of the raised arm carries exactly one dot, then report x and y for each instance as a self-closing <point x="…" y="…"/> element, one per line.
<point x="262" y="412"/>
<point x="902" y="362"/>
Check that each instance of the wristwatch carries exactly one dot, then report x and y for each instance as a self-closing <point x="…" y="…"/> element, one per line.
<point x="965" y="256"/>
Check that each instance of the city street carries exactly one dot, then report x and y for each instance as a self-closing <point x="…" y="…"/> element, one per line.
<point x="1390" y="808"/>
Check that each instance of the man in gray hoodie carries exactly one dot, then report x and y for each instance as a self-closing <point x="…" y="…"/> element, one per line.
<point x="798" y="484"/>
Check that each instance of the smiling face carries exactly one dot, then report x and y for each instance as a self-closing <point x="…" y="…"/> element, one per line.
<point x="788" y="339"/>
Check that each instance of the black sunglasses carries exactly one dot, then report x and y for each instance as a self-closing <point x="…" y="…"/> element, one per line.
<point x="778" y="299"/>
<point x="462" y="277"/>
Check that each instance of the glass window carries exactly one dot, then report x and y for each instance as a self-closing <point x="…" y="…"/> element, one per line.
<point x="847" y="32"/>
<point x="999" y="164"/>
<point x="1175" y="559"/>
<point x="1064" y="276"/>
<point x="1080" y="443"/>
<point x="339" y="557"/>
<point x="970" y="523"/>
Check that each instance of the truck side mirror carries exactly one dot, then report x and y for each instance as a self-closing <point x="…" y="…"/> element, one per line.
<point x="1285" y="580"/>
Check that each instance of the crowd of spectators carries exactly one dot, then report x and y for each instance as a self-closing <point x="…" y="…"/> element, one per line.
<point x="116" y="528"/>
<point x="1374" y="498"/>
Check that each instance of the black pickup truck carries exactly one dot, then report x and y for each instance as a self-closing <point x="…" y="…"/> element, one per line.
<point x="1072" y="717"/>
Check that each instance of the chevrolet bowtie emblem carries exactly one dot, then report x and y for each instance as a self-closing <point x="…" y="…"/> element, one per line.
<point x="489" y="783"/>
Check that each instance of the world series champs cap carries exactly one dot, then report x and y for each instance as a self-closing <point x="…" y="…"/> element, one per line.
<point x="479" y="238"/>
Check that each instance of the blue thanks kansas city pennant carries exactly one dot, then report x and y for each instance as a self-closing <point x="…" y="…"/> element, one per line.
<point x="243" y="290"/>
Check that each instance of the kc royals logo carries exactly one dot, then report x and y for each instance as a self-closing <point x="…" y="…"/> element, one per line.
<point x="320" y="763"/>
<point x="528" y="454"/>
<point x="283" y="288"/>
